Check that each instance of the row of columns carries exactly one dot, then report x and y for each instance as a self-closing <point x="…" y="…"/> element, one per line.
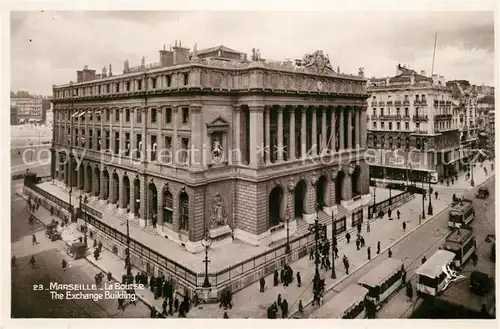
<point x="348" y="117"/>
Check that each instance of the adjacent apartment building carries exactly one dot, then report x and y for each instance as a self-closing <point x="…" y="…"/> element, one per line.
<point x="413" y="128"/>
<point x="29" y="107"/>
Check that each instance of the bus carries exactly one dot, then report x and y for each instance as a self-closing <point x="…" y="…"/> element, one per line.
<point x="462" y="243"/>
<point x="461" y="213"/>
<point x="432" y="275"/>
<point x="383" y="280"/>
<point x="348" y="304"/>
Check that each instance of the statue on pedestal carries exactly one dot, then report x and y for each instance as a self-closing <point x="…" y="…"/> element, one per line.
<point x="218" y="212"/>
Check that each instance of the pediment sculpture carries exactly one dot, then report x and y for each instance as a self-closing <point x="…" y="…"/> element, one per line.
<point x="317" y="62"/>
<point x="218" y="213"/>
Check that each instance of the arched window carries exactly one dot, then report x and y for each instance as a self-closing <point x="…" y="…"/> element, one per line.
<point x="168" y="206"/>
<point x="184" y="212"/>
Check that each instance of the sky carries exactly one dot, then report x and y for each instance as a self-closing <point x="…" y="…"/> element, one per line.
<point x="48" y="47"/>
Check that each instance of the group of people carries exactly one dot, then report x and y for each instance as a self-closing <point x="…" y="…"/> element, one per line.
<point x="285" y="276"/>
<point x="97" y="249"/>
<point x="279" y="304"/>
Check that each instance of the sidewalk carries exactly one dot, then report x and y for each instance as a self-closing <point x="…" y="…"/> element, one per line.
<point x="248" y="302"/>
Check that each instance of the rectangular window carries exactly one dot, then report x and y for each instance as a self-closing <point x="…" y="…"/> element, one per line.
<point x="406" y="111"/>
<point x="168" y="115"/>
<point x="168" y="79"/>
<point x="417" y="125"/>
<point x="139" y="84"/>
<point x="83" y="138"/>
<point x="382" y="112"/>
<point x="127" y="86"/>
<point x="153" y="115"/>
<point x="154" y="147"/>
<point x="108" y="115"/>
<point x="90" y="139"/>
<point x="153" y="83"/>
<point x="186" y="79"/>
<point x="390" y="125"/>
<point x="167" y="149"/>
<point x="106" y="141"/>
<point x="99" y="89"/>
<point x="127" y="115"/>
<point x="185" y="115"/>
<point x="117" y="142"/>
<point x="398" y="126"/>
<point x="184" y="160"/>
<point x="117" y="87"/>
<point x="374" y="125"/>
<point x="138" y="146"/>
<point x="398" y="112"/>
<point x="98" y="144"/>
<point x="168" y="208"/>
<point x="108" y="88"/>
<point x="127" y="144"/>
<point x="138" y="115"/>
<point x="374" y="112"/>
<point x="117" y="115"/>
<point x="382" y="125"/>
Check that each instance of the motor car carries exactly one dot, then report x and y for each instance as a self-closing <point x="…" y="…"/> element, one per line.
<point x="483" y="193"/>
<point x="480" y="283"/>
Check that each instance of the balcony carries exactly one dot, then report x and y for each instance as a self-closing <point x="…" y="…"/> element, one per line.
<point x="423" y="118"/>
<point x="406" y="117"/>
<point x="397" y="103"/>
<point x="389" y="103"/>
<point x="443" y="116"/>
<point x="406" y="102"/>
<point x="374" y="103"/>
<point x="420" y="102"/>
<point x="390" y="117"/>
<point x="420" y="131"/>
<point x="381" y="103"/>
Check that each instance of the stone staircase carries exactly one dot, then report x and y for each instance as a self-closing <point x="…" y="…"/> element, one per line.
<point x="323" y="218"/>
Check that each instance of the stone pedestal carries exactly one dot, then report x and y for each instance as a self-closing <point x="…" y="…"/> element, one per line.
<point x="220" y="235"/>
<point x="142" y="222"/>
<point x="253" y="239"/>
<point x="309" y="218"/>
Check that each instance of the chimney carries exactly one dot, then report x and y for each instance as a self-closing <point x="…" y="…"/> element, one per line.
<point x="422" y="72"/>
<point x="166" y="57"/>
<point x="110" y="72"/>
<point x="88" y="75"/>
<point x="79" y="76"/>
<point x="181" y="55"/>
<point x="143" y="59"/>
<point x="125" y="66"/>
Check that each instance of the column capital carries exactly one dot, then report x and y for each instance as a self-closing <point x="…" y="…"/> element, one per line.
<point x="256" y="108"/>
<point x="237" y="108"/>
<point x="195" y="107"/>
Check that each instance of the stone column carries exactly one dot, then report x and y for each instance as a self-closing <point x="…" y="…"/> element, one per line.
<point x="356" y="127"/>
<point x="280" y="133"/>
<point x="144" y="113"/>
<point x="267" y="123"/>
<point x="102" y="183"/>
<point x="362" y="129"/>
<point x="132" y="197"/>
<point x="256" y="142"/>
<point x="236" y="149"/>
<point x="161" y="220"/>
<point x="314" y="133"/>
<point x="323" y="128"/>
<point x="196" y="136"/>
<point x="291" y="152"/>
<point x="349" y="128"/>
<point x="333" y="137"/>
<point x="341" y="132"/>
<point x="303" y="133"/>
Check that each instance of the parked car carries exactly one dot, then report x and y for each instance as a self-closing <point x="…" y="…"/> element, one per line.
<point x="480" y="283"/>
<point x="483" y="193"/>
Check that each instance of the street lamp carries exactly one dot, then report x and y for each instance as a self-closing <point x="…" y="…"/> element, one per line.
<point x="206" y="242"/>
<point x="316" y="229"/>
<point x="287" y="217"/>
<point x="85" y="201"/>
<point x="429" y="210"/>
<point x="472" y="173"/>
<point x="334" y="244"/>
<point x="423" y="196"/>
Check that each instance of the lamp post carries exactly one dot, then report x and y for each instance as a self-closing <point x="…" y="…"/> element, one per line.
<point x="429" y="209"/>
<point x="287" y="217"/>
<point x="423" y="196"/>
<point x="206" y="242"/>
<point x="472" y="173"/>
<point x="334" y="244"/>
<point x="85" y="201"/>
<point x="316" y="229"/>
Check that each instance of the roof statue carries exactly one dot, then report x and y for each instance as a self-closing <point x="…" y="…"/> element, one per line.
<point x="318" y="62"/>
<point x="255" y="54"/>
<point x="361" y="72"/>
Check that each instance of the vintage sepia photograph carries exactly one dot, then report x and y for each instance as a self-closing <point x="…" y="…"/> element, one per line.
<point x="252" y="164"/>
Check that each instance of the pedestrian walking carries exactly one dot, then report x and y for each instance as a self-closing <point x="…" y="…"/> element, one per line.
<point x="262" y="283"/>
<point x="369" y="251"/>
<point x="390" y="253"/>
<point x="301" y="307"/>
<point x="404" y="226"/>
<point x="359" y="228"/>
<point x="424" y="259"/>
<point x="32" y="261"/>
<point x="357" y="244"/>
<point x="121" y="304"/>
<point x="278" y="300"/>
<point x="474" y="259"/>
<point x="378" y="247"/>
<point x="361" y="241"/>
<point x="328" y="265"/>
<point x="284" y="309"/>
<point x="436" y="194"/>
<point x="368" y="226"/>
<point x="311" y="253"/>
<point x="398" y="213"/>
<point x="275" y="278"/>
<point x="403" y="276"/>
<point x="389" y="212"/>
<point x="348" y="237"/>
<point x="64" y="264"/>
<point x="409" y="291"/>
<point x="299" y="279"/>
<point x="34" y="240"/>
<point x="225" y="316"/>
<point x="336" y="251"/>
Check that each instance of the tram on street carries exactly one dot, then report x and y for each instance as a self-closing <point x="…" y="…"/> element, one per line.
<point x="348" y="304"/>
<point x="432" y="275"/>
<point x="462" y="243"/>
<point x="461" y="213"/>
<point x="383" y="280"/>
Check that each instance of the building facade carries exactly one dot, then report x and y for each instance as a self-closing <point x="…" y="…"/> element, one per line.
<point x="465" y="102"/>
<point x="412" y="127"/>
<point x="29" y="106"/>
<point x="209" y="141"/>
